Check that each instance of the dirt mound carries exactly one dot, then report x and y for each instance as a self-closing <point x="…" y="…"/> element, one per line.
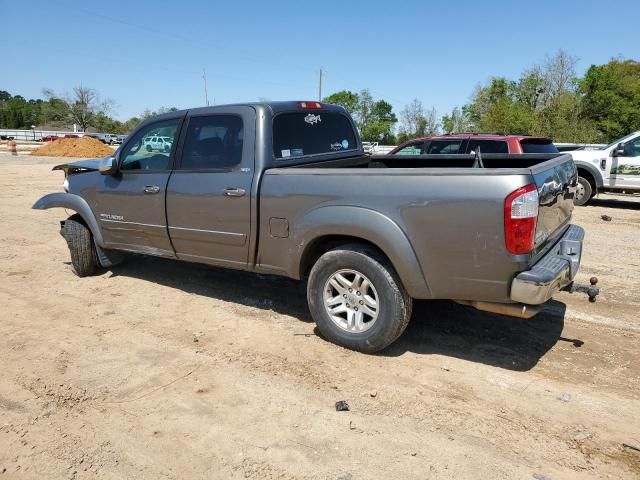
<point x="74" y="147"/>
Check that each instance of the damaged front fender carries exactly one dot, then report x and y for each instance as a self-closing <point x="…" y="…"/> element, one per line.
<point x="75" y="203"/>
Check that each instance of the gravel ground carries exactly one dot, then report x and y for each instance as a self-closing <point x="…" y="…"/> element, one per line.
<point x="163" y="369"/>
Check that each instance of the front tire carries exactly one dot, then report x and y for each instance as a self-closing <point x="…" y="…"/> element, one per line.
<point x="357" y="299"/>
<point x="583" y="193"/>
<point x="83" y="252"/>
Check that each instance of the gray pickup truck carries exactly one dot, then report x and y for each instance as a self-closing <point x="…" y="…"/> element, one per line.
<point x="285" y="188"/>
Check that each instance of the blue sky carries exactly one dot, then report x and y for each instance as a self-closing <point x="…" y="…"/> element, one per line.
<point x="151" y="54"/>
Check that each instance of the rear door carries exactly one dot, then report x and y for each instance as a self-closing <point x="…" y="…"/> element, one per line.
<point x="209" y="192"/>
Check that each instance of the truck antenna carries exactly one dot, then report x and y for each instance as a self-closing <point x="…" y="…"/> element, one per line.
<point x="206" y="95"/>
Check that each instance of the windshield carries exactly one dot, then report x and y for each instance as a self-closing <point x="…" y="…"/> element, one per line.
<point x="304" y="133"/>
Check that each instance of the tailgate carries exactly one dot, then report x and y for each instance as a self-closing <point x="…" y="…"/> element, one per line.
<point x="557" y="183"/>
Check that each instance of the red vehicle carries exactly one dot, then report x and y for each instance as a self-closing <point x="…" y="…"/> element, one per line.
<point x="469" y="142"/>
<point x="49" y="138"/>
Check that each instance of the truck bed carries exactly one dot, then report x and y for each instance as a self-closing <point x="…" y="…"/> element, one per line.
<point x="451" y="210"/>
<point x="495" y="160"/>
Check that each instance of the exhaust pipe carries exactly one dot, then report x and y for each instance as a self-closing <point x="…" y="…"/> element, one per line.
<point x="519" y="310"/>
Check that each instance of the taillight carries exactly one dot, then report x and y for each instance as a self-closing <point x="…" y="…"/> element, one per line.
<point x="310" y="105"/>
<point x="520" y="217"/>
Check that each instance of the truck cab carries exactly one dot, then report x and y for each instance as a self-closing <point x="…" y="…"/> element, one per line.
<point x="615" y="167"/>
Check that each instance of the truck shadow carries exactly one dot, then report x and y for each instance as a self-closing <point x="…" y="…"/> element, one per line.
<point x="437" y="327"/>
<point x="267" y="292"/>
<point x="447" y="328"/>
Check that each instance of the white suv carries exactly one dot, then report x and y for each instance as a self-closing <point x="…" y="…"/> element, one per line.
<point x="160" y="144"/>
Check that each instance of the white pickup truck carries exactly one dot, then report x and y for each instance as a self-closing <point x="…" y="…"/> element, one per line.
<point x="615" y="167"/>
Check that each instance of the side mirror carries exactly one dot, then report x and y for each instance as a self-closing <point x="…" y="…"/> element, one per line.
<point x="108" y="166"/>
<point x="619" y="150"/>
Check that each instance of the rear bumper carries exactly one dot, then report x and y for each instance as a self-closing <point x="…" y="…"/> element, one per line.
<point x="553" y="272"/>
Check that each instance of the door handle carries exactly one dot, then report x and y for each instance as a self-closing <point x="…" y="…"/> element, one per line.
<point x="234" y="192"/>
<point x="151" y="189"/>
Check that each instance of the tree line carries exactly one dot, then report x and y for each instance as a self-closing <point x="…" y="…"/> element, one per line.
<point x="548" y="99"/>
<point x="83" y="107"/>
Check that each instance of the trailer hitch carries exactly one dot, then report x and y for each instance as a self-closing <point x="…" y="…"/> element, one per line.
<point x="591" y="290"/>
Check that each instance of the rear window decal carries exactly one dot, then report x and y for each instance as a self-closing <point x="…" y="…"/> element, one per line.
<point x="297" y="152"/>
<point x="312" y="119"/>
<point x="286" y="153"/>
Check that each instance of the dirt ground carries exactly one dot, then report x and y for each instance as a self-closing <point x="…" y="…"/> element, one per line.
<point x="159" y="369"/>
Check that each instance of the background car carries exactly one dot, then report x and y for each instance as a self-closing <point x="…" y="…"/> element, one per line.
<point x="158" y="143"/>
<point x="469" y="142"/>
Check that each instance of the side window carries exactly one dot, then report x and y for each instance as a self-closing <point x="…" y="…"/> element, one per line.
<point x="141" y="153"/>
<point x="488" y="146"/>
<point x="444" y="147"/>
<point x="632" y="148"/>
<point x="412" y="149"/>
<point x="213" y="142"/>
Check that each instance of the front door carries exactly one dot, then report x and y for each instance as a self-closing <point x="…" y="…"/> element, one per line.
<point x="130" y="205"/>
<point x="625" y="171"/>
<point x="209" y="192"/>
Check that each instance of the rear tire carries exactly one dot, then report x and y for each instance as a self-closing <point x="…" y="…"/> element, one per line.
<point x="357" y="299"/>
<point x="83" y="252"/>
<point x="584" y="192"/>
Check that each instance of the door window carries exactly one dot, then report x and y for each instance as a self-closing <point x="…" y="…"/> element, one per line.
<point x="444" y="147"/>
<point x="142" y="151"/>
<point x="212" y="142"/>
<point x="632" y="149"/>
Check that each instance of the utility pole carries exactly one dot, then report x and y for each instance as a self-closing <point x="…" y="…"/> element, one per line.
<point x="320" y="87"/>
<point x="206" y="95"/>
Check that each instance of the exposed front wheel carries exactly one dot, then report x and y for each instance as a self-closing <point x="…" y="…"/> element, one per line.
<point x="584" y="192"/>
<point x="357" y="299"/>
<point x="80" y="241"/>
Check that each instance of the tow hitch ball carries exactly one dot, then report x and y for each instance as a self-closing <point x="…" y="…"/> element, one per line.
<point x="591" y="290"/>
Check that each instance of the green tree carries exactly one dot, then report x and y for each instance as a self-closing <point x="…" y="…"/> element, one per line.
<point x="612" y="97"/>
<point x="375" y="119"/>
<point x="345" y="98"/>
<point x="380" y="123"/>
<point x="417" y="122"/>
<point x="456" y="122"/>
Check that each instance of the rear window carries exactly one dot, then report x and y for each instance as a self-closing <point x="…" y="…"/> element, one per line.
<point x="538" y="145"/>
<point x="488" y="146"/>
<point x="311" y="133"/>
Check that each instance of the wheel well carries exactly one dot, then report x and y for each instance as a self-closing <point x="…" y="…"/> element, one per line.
<point x="588" y="176"/>
<point x="78" y="218"/>
<point x="322" y="245"/>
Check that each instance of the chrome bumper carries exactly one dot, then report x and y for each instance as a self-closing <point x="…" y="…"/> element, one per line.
<point x="553" y="272"/>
